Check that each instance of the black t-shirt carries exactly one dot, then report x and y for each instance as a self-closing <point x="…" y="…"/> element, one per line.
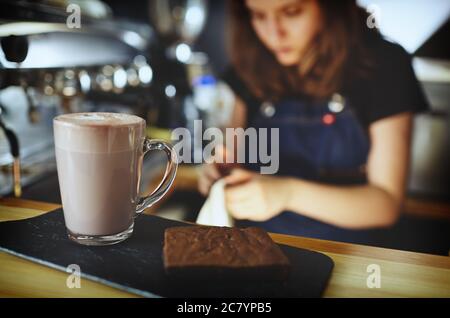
<point x="390" y="89"/>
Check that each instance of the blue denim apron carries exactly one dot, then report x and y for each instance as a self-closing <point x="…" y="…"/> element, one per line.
<point x="322" y="142"/>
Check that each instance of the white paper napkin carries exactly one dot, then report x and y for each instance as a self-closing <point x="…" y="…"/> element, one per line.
<point x="214" y="211"/>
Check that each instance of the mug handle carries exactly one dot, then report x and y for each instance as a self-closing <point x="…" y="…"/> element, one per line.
<point x="169" y="174"/>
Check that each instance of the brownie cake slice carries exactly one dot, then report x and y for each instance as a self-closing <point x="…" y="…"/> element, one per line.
<point x="222" y="253"/>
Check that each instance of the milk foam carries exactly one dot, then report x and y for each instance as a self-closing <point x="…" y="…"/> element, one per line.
<point x="99" y="119"/>
<point x="98" y="132"/>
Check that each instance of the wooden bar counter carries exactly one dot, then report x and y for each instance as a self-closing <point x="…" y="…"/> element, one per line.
<point x="403" y="274"/>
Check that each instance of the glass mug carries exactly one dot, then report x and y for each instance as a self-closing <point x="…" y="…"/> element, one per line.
<point x="99" y="161"/>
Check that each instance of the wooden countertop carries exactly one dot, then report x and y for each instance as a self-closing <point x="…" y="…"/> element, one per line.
<point x="403" y="274"/>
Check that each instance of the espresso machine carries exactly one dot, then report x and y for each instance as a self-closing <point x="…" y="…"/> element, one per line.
<point x="108" y="64"/>
<point x="47" y="68"/>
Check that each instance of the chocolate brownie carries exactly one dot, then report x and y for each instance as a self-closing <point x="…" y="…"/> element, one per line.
<point x="223" y="253"/>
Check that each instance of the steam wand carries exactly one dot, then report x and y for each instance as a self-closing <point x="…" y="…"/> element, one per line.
<point x="14" y="148"/>
<point x="15" y="49"/>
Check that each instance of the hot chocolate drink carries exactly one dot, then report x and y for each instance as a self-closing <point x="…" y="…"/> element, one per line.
<point x="99" y="158"/>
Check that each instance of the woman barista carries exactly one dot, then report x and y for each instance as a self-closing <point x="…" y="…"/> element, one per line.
<point x="342" y="98"/>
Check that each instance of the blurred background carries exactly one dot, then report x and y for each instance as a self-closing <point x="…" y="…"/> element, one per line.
<point x="162" y="60"/>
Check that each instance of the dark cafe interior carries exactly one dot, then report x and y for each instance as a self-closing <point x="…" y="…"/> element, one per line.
<point x="323" y="124"/>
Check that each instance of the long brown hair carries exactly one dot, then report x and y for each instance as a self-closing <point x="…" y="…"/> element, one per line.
<point x="323" y="66"/>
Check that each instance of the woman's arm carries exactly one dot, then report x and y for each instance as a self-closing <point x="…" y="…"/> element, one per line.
<point x="376" y="204"/>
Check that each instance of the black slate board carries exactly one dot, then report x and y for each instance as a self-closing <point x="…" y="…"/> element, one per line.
<point x="136" y="265"/>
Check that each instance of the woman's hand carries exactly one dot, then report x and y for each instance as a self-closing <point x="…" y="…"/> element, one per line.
<point x="255" y="197"/>
<point x="209" y="173"/>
